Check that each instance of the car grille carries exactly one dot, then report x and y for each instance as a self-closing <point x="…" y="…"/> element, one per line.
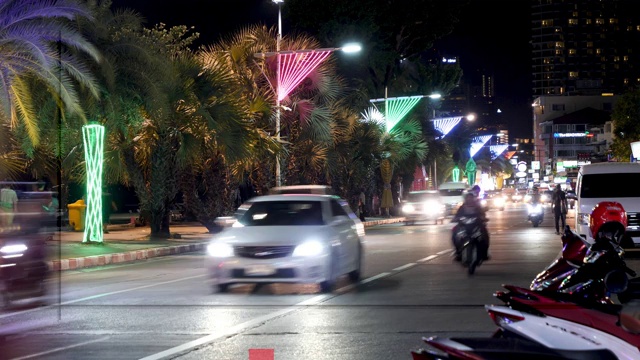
<point x="279" y="274"/>
<point x="633" y="220"/>
<point x="263" y="252"/>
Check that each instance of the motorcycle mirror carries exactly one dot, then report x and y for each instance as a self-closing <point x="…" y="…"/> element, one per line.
<point x="616" y="281"/>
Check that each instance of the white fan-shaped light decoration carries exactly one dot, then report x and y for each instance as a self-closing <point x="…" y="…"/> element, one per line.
<point x="478" y="143"/>
<point x="496" y="150"/>
<point x="373" y="115"/>
<point x="444" y="125"/>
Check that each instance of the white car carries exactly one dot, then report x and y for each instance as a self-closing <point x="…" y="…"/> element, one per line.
<point x="305" y="238"/>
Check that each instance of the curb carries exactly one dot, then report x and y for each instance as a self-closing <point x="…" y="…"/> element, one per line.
<point x="130" y="256"/>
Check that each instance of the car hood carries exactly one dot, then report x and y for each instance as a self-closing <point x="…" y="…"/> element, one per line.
<point x="273" y="235"/>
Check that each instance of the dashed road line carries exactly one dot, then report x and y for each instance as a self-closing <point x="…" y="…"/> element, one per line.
<point x="405" y="266"/>
<point x="60" y="349"/>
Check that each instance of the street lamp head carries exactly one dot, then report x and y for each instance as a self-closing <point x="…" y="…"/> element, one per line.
<point x="351" y="48"/>
<point x="471" y="117"/>
<point x="277" y="1"/>
<point x="435" y="96"/>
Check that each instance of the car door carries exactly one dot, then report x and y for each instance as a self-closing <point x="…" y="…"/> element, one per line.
<point x="347" y="234"/>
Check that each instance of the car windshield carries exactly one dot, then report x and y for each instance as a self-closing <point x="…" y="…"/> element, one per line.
<point x="419" y="197"/>
<point x="610" y="185"/>
<point x="451" y="192"/>
<point x="283" y="213"/>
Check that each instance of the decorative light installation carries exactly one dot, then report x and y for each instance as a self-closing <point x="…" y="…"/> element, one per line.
<point x="374" y="116"/>
<point x="93" y="136"/>
<point x="455" y="174"/>
<point x="496" y="150"/>
<point x="445" y="125"/>
<point x="470" y="171"/>
<point x="396" y="108"/>
<point x="294" y="66"/>
<point x="477" y="144"/>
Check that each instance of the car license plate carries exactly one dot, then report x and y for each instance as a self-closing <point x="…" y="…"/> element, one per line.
<point x="259" y="270"/>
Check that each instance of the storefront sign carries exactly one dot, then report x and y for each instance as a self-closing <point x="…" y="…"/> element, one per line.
<point x="563" y="135"/>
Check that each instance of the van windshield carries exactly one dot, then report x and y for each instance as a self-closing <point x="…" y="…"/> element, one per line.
<point x="610" y="185"/>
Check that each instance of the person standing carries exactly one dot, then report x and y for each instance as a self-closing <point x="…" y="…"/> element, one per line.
<point x="559" y="201"/>
<point x="362" y="200"/>
<point x="8" y="204"/>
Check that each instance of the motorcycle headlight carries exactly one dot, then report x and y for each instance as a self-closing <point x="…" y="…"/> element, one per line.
<point x="431" y="207"/>
<point x="13" y="249"/>
<point x="543" y="197"/>
<point x="408" y="208"/>
<point x="534" y="209"/>
<point x="309" y="248"/>
<point x="483" y="202"/>
<point x="499" y="201"/>
<point x="220" y="250"/>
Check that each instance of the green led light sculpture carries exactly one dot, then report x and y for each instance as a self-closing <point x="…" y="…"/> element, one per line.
<point x="93" y="136"/>
<point x="455" y="174"/>
<point x="471" y="171"/>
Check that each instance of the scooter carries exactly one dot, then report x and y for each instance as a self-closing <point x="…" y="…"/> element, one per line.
<point x="468" y="232"/>
<point x="535" y="214"/>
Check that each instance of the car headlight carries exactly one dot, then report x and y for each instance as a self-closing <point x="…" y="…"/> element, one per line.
<point x="583" y="218"/>
<point x="13" y="249"/>
<point x="499" y="201"/>
<point x="220" y="250"/>
<point x="408" y="208"/>
<point x="309" y="248"/>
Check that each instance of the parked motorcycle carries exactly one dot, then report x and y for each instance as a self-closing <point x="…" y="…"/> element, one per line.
<point x="468" y="232"/>
<point x="569" y="313"/>
<point x="535" y="213"/>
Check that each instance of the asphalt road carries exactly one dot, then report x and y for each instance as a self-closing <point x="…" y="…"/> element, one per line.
<point x="163" y="308"/>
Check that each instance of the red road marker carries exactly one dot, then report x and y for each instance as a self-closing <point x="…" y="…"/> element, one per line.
<point x="261" y="354"/>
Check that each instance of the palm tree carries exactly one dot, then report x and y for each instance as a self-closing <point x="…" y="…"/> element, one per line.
<point x="40" y="46"/>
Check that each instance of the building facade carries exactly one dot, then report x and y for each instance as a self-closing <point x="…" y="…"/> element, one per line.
<point x="584" y="47"/>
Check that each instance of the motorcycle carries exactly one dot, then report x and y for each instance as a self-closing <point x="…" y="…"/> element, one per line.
<point x="574" y="312"/>
<point x="468" y="232"/>
<point x="535" y="214"/>
<point x="574" y="249"/>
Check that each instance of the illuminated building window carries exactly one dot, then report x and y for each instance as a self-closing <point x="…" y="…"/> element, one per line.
<point x="626" y="81"/>
<point x="559" y="44"/>
<point x="573" y="21"/>
<point x="574" y="14"/>
<point x="572" y="51"/>
<point x="589" y="44"/>
<point x="638" y="80"/>
<point x="638" y="27"/>
<point x="600" y="21"/>
<point x="558" y="52"/>
<point x="613" y="21"/>
<point x="588" y="21"/>
<point x="547" y="23"/>
<point x="546" y="61"/>
<point x="558" y="29"/>
<point x="616" y="58"/>
<point x="573" y="74"/>
<point x="625" y="58"/>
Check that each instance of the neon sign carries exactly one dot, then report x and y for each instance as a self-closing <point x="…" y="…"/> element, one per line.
<point x="575" y="134"/>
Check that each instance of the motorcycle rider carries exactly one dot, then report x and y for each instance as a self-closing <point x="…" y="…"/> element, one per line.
<point x="471" y="207"/>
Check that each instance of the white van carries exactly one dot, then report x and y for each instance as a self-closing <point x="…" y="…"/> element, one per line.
<point x="452" y="194"/>
<point x="612" y="181"/>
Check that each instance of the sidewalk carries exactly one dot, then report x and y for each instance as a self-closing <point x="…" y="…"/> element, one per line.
<point x="125" y="243"/>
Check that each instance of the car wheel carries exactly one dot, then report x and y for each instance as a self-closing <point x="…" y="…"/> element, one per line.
<point x="356" y="274"/>
<point x="221" y="288"/>
<point x="328" y="285"/>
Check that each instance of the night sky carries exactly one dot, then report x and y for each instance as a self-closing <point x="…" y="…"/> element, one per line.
<point x="492" y="35"/>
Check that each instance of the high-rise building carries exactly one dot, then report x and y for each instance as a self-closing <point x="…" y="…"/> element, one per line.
<point x="585" y="47"/>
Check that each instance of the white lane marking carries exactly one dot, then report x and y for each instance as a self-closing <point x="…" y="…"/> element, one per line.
<point x="235" y="329"/>
<point x="444" y="251"/>
<point x="405" y="266"/>
<point x="375" y="277"/>
<point x="100" y="295"/>
<point x="60" y="349"/>
<point x="430" y="257"/>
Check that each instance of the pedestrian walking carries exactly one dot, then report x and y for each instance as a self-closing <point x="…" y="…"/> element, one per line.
<point x="362" y="200"/>
<point x="559" y="201"/>
<point x="8" y="204"/>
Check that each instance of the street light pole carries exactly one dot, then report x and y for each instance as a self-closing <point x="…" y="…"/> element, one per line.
<point x="279" y="2"/>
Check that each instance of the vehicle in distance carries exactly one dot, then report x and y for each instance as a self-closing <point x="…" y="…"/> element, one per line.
<point x="288" y="238"/>
<point x="423" y="205"/>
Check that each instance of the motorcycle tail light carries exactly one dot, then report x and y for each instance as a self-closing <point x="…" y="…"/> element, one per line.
<point x="502" y="318"/>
